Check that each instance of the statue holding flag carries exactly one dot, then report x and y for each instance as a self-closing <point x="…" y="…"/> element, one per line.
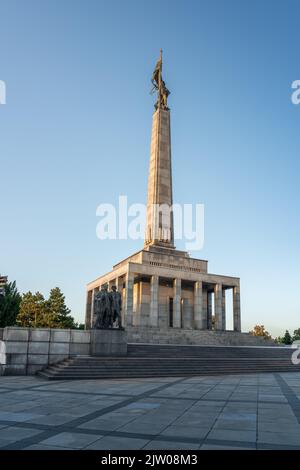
<point x="160" y="86"/>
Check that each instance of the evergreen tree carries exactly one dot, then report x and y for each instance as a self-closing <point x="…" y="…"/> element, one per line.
<point x="58" y="313"/>
<point x="33" y="311"/>
<point x="9" y="305"/>
<point x="296" y="336"/>
<point x="286" y="339"/>
<point x="36" y="312"/>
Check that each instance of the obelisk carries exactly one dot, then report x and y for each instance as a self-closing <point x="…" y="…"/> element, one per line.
<point x="159" y="224"/>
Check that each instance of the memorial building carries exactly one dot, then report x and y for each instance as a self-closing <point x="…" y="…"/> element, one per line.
<point x="164" y="290"/>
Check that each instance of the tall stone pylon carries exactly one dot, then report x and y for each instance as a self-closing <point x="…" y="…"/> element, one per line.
<point x="160" y="224"/>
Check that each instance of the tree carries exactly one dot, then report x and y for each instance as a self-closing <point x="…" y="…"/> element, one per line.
<point x="58" y="313"/>
<point x="9" y="305"/>
<point x="296" y="336"/>
<point x="33" y="310"/>
<point x="36" y="312"/>
<point x="259" y="330"/>
<point x="285" y="339"/>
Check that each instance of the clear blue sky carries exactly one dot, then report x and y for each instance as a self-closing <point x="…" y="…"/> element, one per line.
<point x="75" y="132"/>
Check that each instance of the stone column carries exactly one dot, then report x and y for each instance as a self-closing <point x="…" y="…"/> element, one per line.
<point x="129" y="299"/>
<point x="223" y="309"/>
<point x="154" y="300"/>
<point x="88" y="310"/>
<point x="187" y="314"/>
<point x="144" y="300"/>
<point x="209" y="310"/>
<point x="200" y="319"/>
<point x="218" y="306"/>
<point x="92" y="307"/>
<point x="136" y="320"/>
<point x="236" y="309"/>
<point x="119" y="284"/>
<point x="177" y="303"/>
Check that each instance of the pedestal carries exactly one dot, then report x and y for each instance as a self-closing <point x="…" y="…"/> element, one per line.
<point x="109" y="342"/>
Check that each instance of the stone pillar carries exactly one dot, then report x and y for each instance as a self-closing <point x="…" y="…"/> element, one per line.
<point x="236" y="309"/>
<point x="154" y="300"/>
<point x="92" y="307"/>
<point x="223" y="309"/>
<point x="177" y="303"/>
<point x="128" y="299"/>
<point x="187" y="314"/>
<point x="200" y="319"/>
<point x="145" y="300"/>
<point x="136" y="320"/>
<point x="218" y="306"/>
<point x="88" y="310"/>
<point x="119" y="284"/>
<point x="209" y="310"/>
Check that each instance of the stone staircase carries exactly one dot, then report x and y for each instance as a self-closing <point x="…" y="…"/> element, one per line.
<point x="150" y="360"/>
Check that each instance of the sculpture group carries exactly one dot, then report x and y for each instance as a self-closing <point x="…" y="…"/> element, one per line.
<point x="107" y="308"/>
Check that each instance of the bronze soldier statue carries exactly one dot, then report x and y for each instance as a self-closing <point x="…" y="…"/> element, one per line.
<point x="116" y="307"/>
<point x="102" y="309"/>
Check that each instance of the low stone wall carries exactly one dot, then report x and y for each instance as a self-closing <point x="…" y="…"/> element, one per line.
<point x="24" y="351"/>
<point x="200" y="337"/>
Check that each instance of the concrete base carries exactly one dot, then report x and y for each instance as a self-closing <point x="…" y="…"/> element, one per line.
<point x="108" y="342"/>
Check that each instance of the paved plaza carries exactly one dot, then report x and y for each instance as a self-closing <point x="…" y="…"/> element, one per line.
<point x="260" y="411"/>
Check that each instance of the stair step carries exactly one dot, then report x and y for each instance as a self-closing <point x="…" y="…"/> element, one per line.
<point x="158" y="360"/>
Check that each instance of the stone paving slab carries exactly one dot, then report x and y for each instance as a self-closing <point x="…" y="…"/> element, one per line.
<point x="106" y="423"/>
<point x="175" y="445"/>
<point x="232" y="435"/>
<point x="13" y="433"/>
<point x="71" y="440"/>
<point x="44" y="447"/>
<point x="111" y="443"/>
<point x="259" y="411"/>
<point x="220" y="447"/>
<point x="194" y="432"/>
